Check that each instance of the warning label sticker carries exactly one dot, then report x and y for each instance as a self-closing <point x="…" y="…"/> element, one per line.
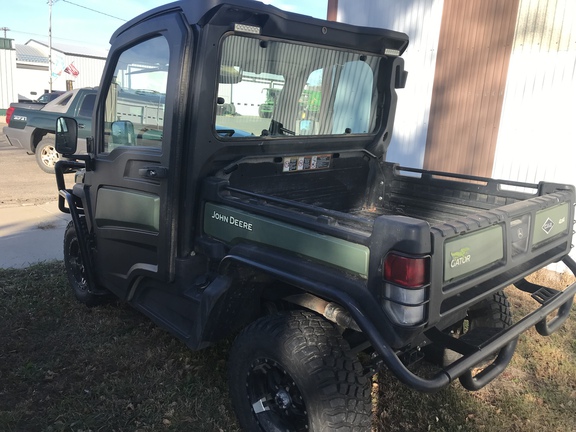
<point x="306" y="163"/>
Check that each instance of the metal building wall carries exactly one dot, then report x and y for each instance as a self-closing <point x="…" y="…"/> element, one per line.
<point x="537" y="136"/>
<point x="90" y="70"/>
<point x="420" y="19"/>
<point x="471" y="69"/>
<point x="7" y="70"/>
<point x="89" y="66"/>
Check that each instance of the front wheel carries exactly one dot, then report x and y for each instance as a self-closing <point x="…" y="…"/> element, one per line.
<point x="76" y="267"/>
<point x="294" y="372"/>
<point x="46" y="155"/>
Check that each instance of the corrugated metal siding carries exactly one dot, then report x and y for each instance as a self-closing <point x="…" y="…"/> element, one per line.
<point x="90" y="71"/>
<point x="537" y="136"/>
<point x="420" y="19"/>
<point x="7" y="70"/>
<point x="473" y="57"/>
<point x="90" y="67"/>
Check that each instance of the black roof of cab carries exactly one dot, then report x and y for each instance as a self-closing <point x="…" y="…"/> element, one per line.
<point x="272" y="20"/>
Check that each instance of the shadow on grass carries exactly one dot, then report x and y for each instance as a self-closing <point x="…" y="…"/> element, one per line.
<point x="64" y="367"/>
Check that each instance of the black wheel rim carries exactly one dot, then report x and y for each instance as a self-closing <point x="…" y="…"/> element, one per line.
<point x="76" y="265"/>
<point x="276" y="400"/>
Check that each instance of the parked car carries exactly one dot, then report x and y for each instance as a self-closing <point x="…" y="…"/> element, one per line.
<point x="31" y="126"/>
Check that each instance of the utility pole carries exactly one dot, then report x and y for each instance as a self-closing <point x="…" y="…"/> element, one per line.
<point x="50" y="43"/>
<point x="4" y="29"/>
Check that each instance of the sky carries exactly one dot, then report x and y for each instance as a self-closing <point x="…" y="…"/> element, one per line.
<point x="92" y="22"/>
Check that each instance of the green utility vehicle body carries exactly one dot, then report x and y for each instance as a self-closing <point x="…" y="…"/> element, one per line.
<point x="208" y="222"/>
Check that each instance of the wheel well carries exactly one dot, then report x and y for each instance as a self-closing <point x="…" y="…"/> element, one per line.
<point x="254" y="294"/>
<point x="38" y="135"/>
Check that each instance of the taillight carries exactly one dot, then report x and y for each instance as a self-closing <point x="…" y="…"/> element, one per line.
<point x="405" y="271"/>
<point x="406" y="281"/>
<point x="9" y="112"/>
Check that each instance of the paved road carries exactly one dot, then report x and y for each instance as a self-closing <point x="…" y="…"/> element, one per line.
<point x="31" y="226"/>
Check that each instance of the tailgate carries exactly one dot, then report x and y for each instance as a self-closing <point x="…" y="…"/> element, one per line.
<point x="477" y="255"/>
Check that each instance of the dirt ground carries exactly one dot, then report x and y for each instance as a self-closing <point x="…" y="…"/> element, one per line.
<point x="22" y="182"/>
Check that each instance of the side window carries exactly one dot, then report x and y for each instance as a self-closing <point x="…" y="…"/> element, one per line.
<point x="134" y="110"/>
<point x="353" y="102"/>
<point x="87" y="106"/>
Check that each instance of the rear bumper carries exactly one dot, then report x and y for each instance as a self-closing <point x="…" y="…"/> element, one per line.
<point x="502" y="344"/>
<point x="18" y="137"/>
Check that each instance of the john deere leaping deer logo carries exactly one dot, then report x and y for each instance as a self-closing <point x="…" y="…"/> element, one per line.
<point x="460" y="257"/>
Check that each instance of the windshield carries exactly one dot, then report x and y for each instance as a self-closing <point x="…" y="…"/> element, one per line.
<point x="273" y="88"/>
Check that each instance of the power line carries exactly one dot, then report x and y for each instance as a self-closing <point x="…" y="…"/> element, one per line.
<point x="44" y="36"/>
<point x="94" y="10"/>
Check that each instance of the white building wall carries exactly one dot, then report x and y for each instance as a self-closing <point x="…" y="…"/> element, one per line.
<point x="8" y="93"/>
<point x="31" y="82"/>
<point x="537" y="136"/>
<point x="90" y="67"/>
<point x="421" y="20"/>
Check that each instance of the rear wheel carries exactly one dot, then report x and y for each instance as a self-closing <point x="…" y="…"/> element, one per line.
<point x="46" y="155"/>
<point x="483" y="321"/>
<point x="76" y="268"/>
<point x="294" y="372"/>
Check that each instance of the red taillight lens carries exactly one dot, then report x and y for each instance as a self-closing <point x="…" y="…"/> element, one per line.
<point x="9" y="112"/>
<point x="405" y="271"/>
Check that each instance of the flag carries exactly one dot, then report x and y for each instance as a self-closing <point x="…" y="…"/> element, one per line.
<point x="71" y="69"/>
<point x="57" y="64"/>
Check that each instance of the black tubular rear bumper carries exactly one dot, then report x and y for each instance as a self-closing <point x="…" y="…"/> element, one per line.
<point x="503" y="345"/>
<point x="369" y="316"/>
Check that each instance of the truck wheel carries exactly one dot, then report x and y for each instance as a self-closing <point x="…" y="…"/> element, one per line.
<point x="491" y="313"/>
<point x="482" y="321"/>
<point x="75" y="268"/>
<point x="46" y="155"/>
<point x="294" y="372"/>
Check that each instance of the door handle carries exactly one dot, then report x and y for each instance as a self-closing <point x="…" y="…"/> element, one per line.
<point x="81" y="126"/>
<point x="154" y="172"/>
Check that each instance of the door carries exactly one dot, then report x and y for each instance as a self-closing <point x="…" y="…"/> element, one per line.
<point x="129" y="187"/>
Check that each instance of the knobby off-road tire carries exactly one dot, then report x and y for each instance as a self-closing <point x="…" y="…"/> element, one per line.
<point x="483" y="321"/>
<point x="492" y="312"/>
<point x="75" y="267"/>
<point x="294" y="372"/>
<point x="46" y="155"/>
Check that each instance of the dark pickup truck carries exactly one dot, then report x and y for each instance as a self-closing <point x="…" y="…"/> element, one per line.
<point x="31" y="126"/>
<point x="296" y="236"/>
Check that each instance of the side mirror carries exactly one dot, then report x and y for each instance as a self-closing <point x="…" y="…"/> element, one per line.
<point x="123" y="133"/>
<point x="66" y="135"/>
<point x="401" y="79"/>
<point x="230" y="74"/>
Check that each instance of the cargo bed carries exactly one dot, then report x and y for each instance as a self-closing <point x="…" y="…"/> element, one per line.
<point x="355" y="191"/>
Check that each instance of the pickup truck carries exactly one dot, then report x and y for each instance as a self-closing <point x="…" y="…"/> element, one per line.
<point x="31" y="126"/>
<point x="297" y="236"/>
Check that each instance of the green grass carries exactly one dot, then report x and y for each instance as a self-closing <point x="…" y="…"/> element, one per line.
<point x="64" y="367"/>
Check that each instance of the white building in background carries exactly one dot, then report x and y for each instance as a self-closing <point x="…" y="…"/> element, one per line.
<point x="25" y="71"/>
<point x="491" y="87"/>
<point x="7" y="70"/>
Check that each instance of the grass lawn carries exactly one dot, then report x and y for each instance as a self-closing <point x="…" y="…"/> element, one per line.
<point x="64" y="367"/>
